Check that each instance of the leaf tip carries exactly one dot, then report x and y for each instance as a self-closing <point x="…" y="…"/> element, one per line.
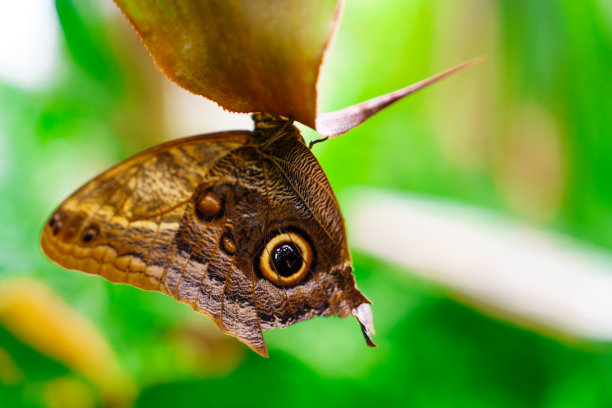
<point x="332" y="124"/>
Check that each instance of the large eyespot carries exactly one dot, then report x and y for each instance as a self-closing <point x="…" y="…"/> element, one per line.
<point x="286" y="259"/>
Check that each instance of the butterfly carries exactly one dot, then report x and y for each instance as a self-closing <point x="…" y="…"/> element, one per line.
<point x="243" y="226"/>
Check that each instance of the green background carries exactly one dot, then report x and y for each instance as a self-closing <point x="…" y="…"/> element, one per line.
<point x="541" y="104"/>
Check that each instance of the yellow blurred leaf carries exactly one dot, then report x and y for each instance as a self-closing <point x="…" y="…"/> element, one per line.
<point x="41" y="319"/>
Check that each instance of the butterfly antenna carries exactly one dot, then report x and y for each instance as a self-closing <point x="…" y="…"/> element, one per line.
<point x="314" y="142"/>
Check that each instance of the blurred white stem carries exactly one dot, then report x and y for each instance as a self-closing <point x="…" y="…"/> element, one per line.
<point x="545" y="278"/>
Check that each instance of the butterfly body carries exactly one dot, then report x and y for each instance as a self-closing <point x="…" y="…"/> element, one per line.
<point x="243" y="226"/>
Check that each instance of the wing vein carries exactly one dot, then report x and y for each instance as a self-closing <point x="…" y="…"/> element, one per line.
<point x="304" y="202"/>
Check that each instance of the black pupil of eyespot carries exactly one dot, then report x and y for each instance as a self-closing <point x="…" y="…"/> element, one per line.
<point x="287" y="259"/>
<point x="89" y="235"/>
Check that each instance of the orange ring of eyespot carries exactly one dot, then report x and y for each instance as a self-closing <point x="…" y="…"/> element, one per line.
<point x="265" y="263"/>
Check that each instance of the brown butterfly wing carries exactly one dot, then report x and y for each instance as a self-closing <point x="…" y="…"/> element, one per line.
<point x="193" y="218"/>
<point x="141" y="213"/>
<point x="299" y="198"/>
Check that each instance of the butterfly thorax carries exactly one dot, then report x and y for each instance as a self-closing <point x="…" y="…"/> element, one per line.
<point x="267" y="121"/>
<point x="270" y="128"/>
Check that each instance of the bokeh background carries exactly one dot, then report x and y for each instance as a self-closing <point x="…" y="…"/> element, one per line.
<point x="527" y="135"/>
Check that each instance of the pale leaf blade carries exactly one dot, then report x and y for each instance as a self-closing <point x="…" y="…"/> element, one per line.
<point x="331" y="124"/>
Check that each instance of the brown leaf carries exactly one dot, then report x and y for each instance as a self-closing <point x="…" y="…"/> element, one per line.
<point x="246" y="55"/>
<point x="331" y="124"/>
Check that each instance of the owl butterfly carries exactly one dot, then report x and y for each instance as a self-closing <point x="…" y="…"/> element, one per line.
<point x="243" y="226"/>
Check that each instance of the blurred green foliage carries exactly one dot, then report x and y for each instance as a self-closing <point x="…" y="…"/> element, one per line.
<point x="434" y="352"/>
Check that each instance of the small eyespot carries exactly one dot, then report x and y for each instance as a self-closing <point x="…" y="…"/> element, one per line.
<point x="208" y="205"/>
<point x="286" y="259"/>
<point x="90" y="234"/>
<point x="53" y="220"/>
<point x="227" y="244"/>
<point x="55" y="223"/>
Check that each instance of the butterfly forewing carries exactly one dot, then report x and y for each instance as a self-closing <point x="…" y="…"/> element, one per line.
<point x="135" y="211"/>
